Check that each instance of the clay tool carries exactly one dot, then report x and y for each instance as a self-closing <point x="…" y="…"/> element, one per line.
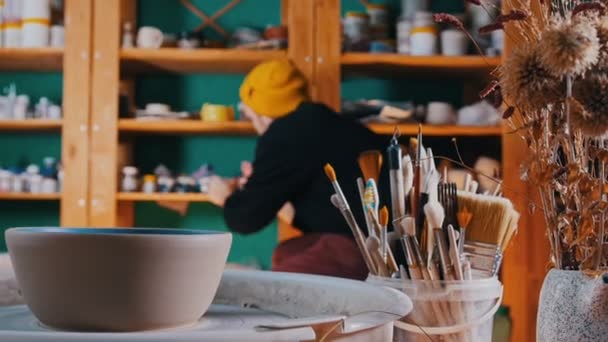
<point x="391" y="262"/>
<point x="408" y="175"/>
<point x="444" y="258"/>
<point x="466" y="270"/>
<point x="454" y="254"/>
<point x="417" y="173"/>
<point x="366" y="214"/>
<point x="358" y="235"/>
<point x="396" y="177"/>
<point x="383" y="220"/>
<point x="474" y="187"/>
<point x="370" y="163"/>
<point x="434" y="214"/>
<point x="467" y="182"/>
<point x="414" y="271"/>
<point x="373" y="245"/>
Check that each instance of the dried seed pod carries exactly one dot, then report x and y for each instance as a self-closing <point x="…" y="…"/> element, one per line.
<point x="569" y="48"/>
<point x="526" y="82"/>
<point x="448" y="19"/>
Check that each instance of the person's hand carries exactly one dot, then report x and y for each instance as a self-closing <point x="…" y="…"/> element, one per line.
<point x="218" y="191"/>
<point x="246" y="172"/>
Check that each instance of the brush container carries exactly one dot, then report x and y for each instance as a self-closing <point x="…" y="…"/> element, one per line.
<point x="456" y="311"/>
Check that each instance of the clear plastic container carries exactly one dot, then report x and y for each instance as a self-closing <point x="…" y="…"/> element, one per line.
<point x="455" y="311"/>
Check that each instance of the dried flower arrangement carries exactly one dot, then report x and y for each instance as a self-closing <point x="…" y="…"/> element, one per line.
<point x="555" y="88"/>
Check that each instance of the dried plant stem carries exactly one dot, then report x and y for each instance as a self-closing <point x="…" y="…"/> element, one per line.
<point x="550" y="231"/>
<point x="568" y="95"/>
<point x="600" y="247"/>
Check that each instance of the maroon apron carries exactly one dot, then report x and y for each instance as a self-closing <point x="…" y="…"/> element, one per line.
<point x="323" y="254"/>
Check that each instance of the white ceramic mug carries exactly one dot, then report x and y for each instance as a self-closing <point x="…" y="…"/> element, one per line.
<point x="149" y="37"/>
<point x="454" y="43"/>
<point x="440" y="113"/>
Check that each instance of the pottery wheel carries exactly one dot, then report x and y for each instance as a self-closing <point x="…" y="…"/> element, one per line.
<point x="220" y="323"/>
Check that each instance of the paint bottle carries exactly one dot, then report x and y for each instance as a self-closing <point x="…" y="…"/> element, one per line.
<point x="12" y="23"/>
<point x="2" y="7"/>
<point x="149" y="185"/>
<point x="36" y="23"/>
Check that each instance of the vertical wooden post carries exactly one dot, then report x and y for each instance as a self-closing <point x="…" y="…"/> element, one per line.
<point x="301" y="24"/>
<point x="125" y="214"/>
<point x="104" y="119"/>
<point x="328" y="42"/>
<point x="76" y="106"/>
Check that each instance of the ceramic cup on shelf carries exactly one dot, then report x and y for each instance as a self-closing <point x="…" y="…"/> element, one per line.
<point x="157" y="108"/>
<point x="217" y="113"/>
<point x="440" y="113"/>
<point x="454" y="43"/>
<point x="149" y="37"/>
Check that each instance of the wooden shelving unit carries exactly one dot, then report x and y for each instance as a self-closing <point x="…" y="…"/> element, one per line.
<point x="193" y="61"/>
<point x="10" y="196"/>
<point x="30" y="125"/>
<point x="155" y="197"/>
<point x="246" y="128"/>
<point x="443" y="65"/>
<point x="31" y="59"/>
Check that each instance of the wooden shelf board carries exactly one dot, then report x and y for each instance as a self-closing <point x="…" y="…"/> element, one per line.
<point x="11" y="196"/>
<point x="245" y="128"/>
<point x="437" y="131"/>
<point x="176" y="197"/>
<point x="192" y="61"/>
<point x="428" y="65"/>
<point x="186" y="127"/>
<point x="30" y="125"/>
<point x="31" y="59"/>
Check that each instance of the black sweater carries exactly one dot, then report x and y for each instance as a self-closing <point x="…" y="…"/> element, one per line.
<point x="288" y="167"/>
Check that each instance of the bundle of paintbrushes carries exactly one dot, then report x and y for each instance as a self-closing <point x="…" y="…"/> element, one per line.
<point x="439" y="233"/>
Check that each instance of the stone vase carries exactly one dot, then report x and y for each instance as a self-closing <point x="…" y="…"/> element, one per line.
<point x="572" y="307"/>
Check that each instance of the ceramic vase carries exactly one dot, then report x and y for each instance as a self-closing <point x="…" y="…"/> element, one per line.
<point x="572" y="307"/>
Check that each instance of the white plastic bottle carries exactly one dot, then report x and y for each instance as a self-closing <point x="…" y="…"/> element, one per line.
<point x="36" y="21"/>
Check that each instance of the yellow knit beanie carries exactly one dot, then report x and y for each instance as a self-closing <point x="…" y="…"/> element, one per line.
<point x="274" y="88"/>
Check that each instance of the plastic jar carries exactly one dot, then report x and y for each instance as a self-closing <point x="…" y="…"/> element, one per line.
<point x="456" y="311"/>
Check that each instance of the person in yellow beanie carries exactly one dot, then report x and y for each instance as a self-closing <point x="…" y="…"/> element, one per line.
<point x="297" y="137"/>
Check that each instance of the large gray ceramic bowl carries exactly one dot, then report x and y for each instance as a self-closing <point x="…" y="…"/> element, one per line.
<point x="118" y="279"/>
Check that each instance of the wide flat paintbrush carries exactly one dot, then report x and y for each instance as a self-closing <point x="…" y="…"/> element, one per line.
<point x="491" y="217"/>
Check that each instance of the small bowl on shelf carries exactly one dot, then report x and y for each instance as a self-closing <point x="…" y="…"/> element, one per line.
<point x="117" y="279"/>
